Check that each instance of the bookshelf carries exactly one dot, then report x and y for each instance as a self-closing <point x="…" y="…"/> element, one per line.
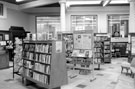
<point x="44" y="63"/>
<point x="102" y="48"/>
<point x="98" y="50"/>
<point x="107" y="50"/>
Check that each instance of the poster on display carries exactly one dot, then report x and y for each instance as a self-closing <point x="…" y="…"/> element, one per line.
<point x="82" y="41"/>
<point x="58" y="46"/>
<point x="133" y="45"/>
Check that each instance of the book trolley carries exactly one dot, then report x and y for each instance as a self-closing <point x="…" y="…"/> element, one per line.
<point x="44" y="63"/>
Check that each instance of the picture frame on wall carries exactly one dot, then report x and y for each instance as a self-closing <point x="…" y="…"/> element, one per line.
<point x="1" y="37"/>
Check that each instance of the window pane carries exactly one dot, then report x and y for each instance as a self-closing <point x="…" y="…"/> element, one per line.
<point x="47" y="24"/>
<point x="83" y="22"/>
<point x="118" y="25"/>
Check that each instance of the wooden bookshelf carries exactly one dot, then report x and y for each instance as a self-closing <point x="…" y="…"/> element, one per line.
<point x="44" y="63"/>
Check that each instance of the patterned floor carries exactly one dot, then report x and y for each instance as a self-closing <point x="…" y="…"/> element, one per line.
<point x="109" y="77"/>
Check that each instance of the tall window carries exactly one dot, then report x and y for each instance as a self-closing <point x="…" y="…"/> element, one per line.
<point x="118" y="25"/>
<point x="83" y="22"/>
<point x="1" y="9"/>
<point x="48" y="24"/>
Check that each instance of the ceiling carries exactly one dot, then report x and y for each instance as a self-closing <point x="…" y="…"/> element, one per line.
<point x="56" y="4"/>
<point x="18" y="3"/>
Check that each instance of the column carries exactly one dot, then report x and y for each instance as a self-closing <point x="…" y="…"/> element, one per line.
<point x="132" y="16"/>
<point x="63" y="15"/>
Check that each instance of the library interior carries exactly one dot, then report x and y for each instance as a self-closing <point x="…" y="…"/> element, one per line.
<point x="67" y="44"/>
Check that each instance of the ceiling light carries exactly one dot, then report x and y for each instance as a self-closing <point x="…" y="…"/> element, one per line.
<point x="19" y="0"/>
<point x="119" y="2"/>
<point x="68" y="3"/>
<point x="106" y="2"/>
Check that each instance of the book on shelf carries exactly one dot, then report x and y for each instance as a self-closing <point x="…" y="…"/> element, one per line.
<point x="44" y="48"/>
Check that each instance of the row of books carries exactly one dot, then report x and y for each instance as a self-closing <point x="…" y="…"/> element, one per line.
<point x="44" y="48"/>
<point x="98" y="50"/>
<point x="42" y="68"/>
<point x="98" y="55"/>
<point x="106" y="42"/>
<point x="107" y="55"/>
<point x="29" y="47"/>
<point x="98" y="44"/>
<point x="106" y="47"/>
<point x="100" y="38"/>
<point x="107" y="51"/>
<point x="97" y="60"/>
<point x="41" y="78"/>
<point x="37" y="66"/>
<point x="86" y="62"/>
<point x="28" y="55"/>
<point x="37" y="76"/>
<point x="44" y="58"/>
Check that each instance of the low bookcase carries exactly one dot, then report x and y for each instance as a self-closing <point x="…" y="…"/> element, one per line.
<point x="44" y="63"/>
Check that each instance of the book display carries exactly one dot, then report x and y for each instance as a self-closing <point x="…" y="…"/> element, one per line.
<point x="17" y="35"/>
<point x="98" y="50"/>
<point x="107" y="50"/>
<point x="102" y="48"/>
<point x="18" y="62"/>
<point x="82" y="54"/>
<point x="44" y="64"/>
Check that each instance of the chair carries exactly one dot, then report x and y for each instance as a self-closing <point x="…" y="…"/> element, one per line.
<point x="129" y="67"/>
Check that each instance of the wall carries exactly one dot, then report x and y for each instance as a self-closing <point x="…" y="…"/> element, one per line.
<point x="100" y="11"/>
<point x="14" y="17"/>
<point x="18" y="18"/>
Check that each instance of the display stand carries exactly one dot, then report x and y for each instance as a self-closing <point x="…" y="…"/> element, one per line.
<point x="83" y="52"/>
<point x="44" y="63"/>
<point x="17" y="34"/>
<point x="102" y="48"/>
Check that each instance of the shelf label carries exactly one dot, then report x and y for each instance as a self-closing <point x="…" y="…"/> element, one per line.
<point x="58" y="46"/>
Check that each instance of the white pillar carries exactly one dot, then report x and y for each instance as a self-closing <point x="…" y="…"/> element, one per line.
<point x="132" y="16"/>
<point x="63" y="15"/>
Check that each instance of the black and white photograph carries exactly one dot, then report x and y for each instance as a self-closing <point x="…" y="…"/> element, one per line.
<point x="67" y="44"/>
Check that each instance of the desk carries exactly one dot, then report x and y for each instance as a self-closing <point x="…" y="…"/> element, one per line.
<point x="4" y="59"/>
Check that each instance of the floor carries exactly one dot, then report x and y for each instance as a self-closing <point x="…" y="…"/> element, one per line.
<point x="108" y="77"/>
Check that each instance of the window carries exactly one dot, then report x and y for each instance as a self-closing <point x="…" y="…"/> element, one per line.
<point x="83" y="22"/>
<point x="48" y="24"/>
<point x="1" y="9"/>
<point x="118" y="25"/>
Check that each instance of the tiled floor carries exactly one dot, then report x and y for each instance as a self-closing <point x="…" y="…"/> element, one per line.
<point x="109" y="77"/>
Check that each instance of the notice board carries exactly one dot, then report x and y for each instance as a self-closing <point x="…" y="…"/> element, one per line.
<point x="83" y="39"/>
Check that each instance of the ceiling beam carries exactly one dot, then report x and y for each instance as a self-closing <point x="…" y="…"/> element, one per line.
<point x="106" y="2"/>
<point x="37" y="3"/>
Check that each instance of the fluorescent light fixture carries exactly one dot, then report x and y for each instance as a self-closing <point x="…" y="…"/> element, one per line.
<point x="119" y="2"/>
<point x="106" y="2"/>
<point x="19" y="0"/>
<point x="68" y="3"/>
